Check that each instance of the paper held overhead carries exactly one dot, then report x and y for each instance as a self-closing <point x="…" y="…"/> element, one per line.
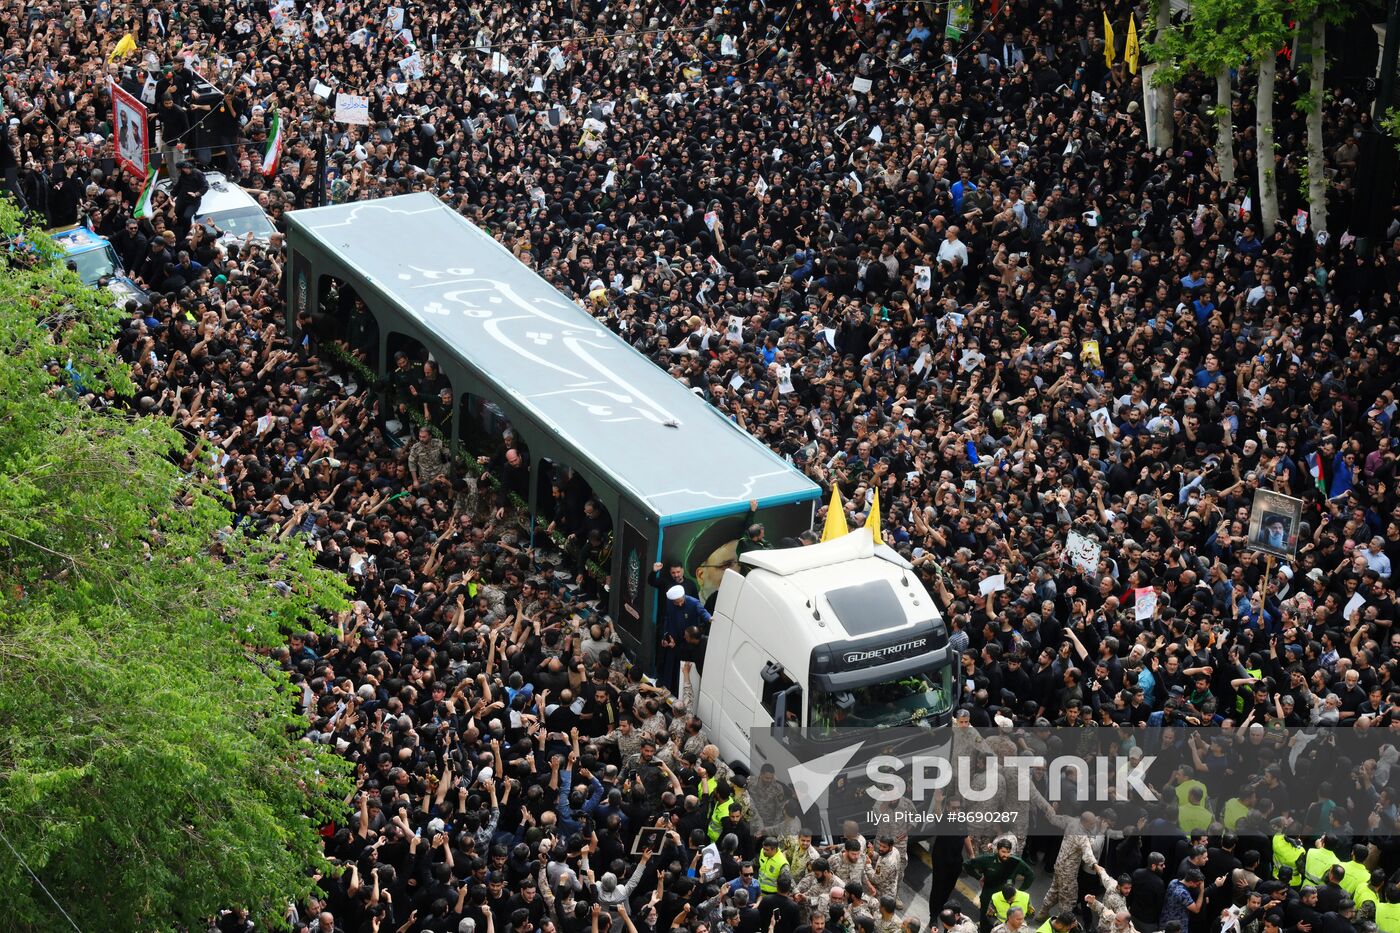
<point x="352" y="108"/>
<point x="412" y="66"/>
<point x="1082" y="551"/>
<point x="992" y="584"/>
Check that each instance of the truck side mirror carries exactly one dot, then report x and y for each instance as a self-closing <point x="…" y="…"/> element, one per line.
<point x="792" y="695"/>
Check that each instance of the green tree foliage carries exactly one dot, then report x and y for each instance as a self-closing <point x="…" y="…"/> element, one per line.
<point x="1390" y="123"/>
<point x="1226" y="34"/>
<point x="1215" y="37"/>
<point x="151" y="765"/>
<point x="1212" y="42"/>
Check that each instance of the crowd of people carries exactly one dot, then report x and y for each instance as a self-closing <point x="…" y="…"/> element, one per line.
<point x="962" y="278"/>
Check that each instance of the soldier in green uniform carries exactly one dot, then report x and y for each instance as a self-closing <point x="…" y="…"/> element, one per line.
<point x="995" y="871"/>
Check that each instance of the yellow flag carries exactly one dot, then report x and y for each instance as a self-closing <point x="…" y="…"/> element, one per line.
<point x="125" y="46"/>
<point x="872" y="521"/>
<point x="1108" y="40"/>
<point x="835" y="517"/>
<point x="1130" y="49"/>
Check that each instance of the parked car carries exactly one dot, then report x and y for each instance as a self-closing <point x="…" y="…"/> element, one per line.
<point x="96" y="262"/>
<point x="233" y="212"/>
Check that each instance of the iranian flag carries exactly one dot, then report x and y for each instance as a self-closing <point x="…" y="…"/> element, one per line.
<point x="1315" y="471"/>
<point x="274" y="146"/>
<point x="143" y="200"/>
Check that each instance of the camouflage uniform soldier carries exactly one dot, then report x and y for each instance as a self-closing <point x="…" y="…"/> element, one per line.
<point x="689" y="733"/>
<point x="1076" y="851"/>
<point x="886" y="868"/>
<point x="1112" y="903"/>
<point x="1015" y="922"/>
<point x="896" y="816"/>
<point x="626" y="737"/>
<point x="801" y="853"/>
<point x="427" y="459"/>
<point x="850" y="865"/>
<point x="814" y="889"/>
<point x="768" y="798"/>
<point x="887" y="920"/>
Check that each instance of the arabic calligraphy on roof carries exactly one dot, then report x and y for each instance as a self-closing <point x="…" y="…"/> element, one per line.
<point x="526" y="327"/>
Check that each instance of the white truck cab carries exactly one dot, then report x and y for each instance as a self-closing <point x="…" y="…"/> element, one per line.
<point x="839" y="634"/>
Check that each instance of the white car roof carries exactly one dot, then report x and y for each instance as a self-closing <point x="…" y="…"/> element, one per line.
<point x="223" y="195"/>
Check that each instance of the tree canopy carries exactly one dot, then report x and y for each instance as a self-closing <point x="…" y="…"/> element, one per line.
<point x="152" y="768"/>
<point x="1215" y="37"/>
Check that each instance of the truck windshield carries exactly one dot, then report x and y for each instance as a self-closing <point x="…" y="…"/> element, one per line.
<point x="907" y="701"/>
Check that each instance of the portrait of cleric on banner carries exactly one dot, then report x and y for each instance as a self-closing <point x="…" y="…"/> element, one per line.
<point x="1273" y="523"/>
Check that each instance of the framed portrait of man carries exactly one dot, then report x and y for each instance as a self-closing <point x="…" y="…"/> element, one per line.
<point x="1274" y="520"/>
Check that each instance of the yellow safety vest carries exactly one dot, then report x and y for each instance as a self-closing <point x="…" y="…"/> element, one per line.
<point x="1388" y="917"/>
<point x="1363" y="895"/>
<point x="770" y="867"/>
<point x="1316" y="865"/>
<point x="718" y="811"/>
<point x="1183" y="792"/>
<point x="1287" y="854"/>
<point x="1239" y="699"/>
<point x="1021" y="899"/>
<point x="1234" y="812"/>
<point x="1355" y="879"/>
<point x="707" y="786"/>
<point x="1193" y="818"/>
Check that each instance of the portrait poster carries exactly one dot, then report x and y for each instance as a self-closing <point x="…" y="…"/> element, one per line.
<point x="1274" y="520"/>
<point x="649" y="837"/>
<point x="1144" y="603"/>
<point x="129" y="132"/>
<point x="959" y="19"/>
